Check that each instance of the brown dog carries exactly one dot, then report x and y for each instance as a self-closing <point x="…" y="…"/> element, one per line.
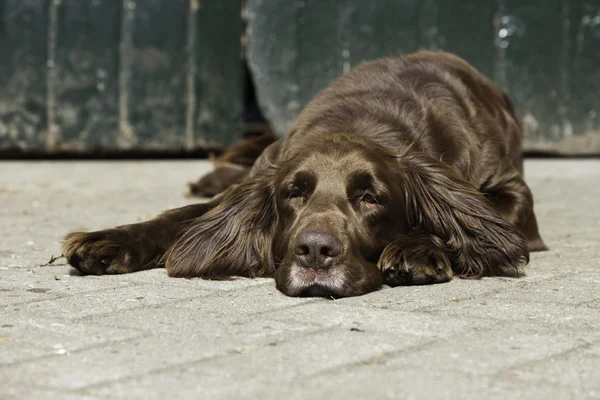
<point x="403" y="171"/>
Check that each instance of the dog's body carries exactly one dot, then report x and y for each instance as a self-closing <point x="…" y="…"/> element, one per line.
<point x="402" y="171"/>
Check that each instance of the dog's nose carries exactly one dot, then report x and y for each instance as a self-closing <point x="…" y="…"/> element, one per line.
<point x="316" y="249"/>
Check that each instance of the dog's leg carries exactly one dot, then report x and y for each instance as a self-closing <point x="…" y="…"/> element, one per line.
<point x="223" y="176"/>
<point x="130" y="248"/>
<point x="511" y="197"/>
<point x="232" y="166"/>
<point x="415" y="259"/>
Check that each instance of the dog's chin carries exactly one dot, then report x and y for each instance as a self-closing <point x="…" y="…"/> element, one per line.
<point x="293" y="280"/>
<point x="334" y="283"/>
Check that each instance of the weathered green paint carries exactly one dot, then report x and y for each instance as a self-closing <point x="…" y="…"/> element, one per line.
<point x="120" y="74"/>
<point x="220" y="76"/>
<point x="22" y="73"/>
<point x="545" y="53"/>
<point x="168" y="75"/>
<point x="153" y="74"/>
<point x="85" y="74"/>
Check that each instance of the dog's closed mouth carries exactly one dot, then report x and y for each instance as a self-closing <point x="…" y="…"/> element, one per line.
<point x="318" y="290"/>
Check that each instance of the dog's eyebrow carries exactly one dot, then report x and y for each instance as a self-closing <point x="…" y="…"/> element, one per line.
<point x="362" y="181"/>
<point x="365" y="180"/>
<point x="305" y="180"/>
<point x="359" y="180"/>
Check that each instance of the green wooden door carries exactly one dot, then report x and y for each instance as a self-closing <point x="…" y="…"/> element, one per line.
<point x="545" y="53"/>
<point x="82" y="75"/>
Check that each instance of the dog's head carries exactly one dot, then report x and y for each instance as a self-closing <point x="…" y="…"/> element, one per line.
<point x="338" y="208"/>
<point x="318" y="218"/>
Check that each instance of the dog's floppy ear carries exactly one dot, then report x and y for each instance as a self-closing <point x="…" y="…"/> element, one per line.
<point x="235" y="237"/>
<point x="478" y="240"/>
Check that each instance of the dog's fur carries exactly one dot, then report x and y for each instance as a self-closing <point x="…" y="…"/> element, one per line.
<point x="402" y="171"/>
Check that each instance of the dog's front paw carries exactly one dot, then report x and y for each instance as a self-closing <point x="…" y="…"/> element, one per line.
<point x="414" y="264"/>
<point x="101" y="252"/>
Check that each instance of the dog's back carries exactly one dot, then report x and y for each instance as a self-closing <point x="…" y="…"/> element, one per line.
<point x="434" y="102"/>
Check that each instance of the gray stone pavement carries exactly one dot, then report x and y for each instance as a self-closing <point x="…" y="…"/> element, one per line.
<point x="148" y="336"/>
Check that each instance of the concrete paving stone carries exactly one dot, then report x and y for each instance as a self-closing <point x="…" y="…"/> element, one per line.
<point x="148" y="336"/>
<point x="117" y="361"/>
<point x="33" y="338"/>
<point x="566" y="256"/>
<point x="24" y="285"/>
<point x="15" y="294"/>
<point x="594" y="304"/>
<point x="396" y="323"/>
<point x="159" y="276"/>
<point x="30" y="392"/>
<point x="493" y="350"/>
<point x="568" y="260"/>
<point x="257" y="302"/>
<point x="568" y="290"/>
<point x="296" y="359"/>
<point x="105" y="301"/>
<point x="577" y="319"/>
<point x="578" y="369"/>
<point x="42" y="201"/>
<point x="407" y="382"/>
<point x="411" y="298"/>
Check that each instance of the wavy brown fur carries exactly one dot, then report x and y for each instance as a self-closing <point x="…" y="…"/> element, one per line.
<point x="407" y="170"/>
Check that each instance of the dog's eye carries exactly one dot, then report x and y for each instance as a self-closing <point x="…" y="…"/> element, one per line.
<point x="369" y="199"/>
<point x="295" y="194"/>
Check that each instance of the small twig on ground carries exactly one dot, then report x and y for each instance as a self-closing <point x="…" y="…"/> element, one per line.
<point x="52" y="259"/>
